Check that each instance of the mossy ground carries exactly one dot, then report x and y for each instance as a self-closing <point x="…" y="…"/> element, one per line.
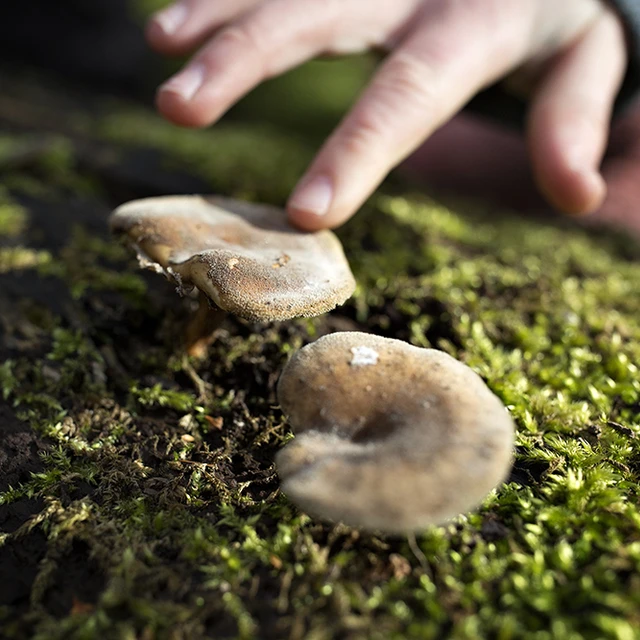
<point x="138" y="494"/>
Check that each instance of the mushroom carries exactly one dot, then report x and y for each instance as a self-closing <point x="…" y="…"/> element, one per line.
<point x="243" y="258"/>
<point x="389" y="436"/>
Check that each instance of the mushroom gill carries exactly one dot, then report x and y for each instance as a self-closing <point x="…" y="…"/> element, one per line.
<point x="389" y="436"/>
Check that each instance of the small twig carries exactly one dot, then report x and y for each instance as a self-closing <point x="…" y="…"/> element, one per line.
<point x="203" y="388"/>
<point x="418" y="553"/>
<point x="621" y="428"/>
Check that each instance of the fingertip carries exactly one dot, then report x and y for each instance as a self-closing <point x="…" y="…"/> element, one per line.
<point x="307" y="221"/>
<point x="311" y="205"/>
<point x="588" y="191"/>
<point x="182" y="100"/>
<point x="575" y="192"/>
<point x="314" y="194"/>
<point x="163" y="27"/>
<point x="565" y="153"/>
<point x="178" y="110"/>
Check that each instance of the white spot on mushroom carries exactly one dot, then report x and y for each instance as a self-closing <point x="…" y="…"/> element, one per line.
<point x="233" y="262"/>
<point x="281" y="261"/>
<point x="364" y="356"/>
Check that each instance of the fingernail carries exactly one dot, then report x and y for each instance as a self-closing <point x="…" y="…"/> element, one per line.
<point x="314" y="196"/>
<point x="187" y="82"/>
<point x="171" y="18"/>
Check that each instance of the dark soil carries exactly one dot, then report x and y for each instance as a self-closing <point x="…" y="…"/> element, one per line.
<point x="19" y="564"/>
<point x="76" y="583"/>
<point x="20" y="453"/>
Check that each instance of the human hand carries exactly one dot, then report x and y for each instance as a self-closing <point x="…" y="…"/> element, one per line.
<point x="569" y="59"/>
<point x="472" y="156"/>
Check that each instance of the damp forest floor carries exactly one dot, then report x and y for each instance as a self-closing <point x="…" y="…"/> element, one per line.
<point x="138" y="495"/>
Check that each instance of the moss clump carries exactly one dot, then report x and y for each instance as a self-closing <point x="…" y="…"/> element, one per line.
<point x="18" y="258"/>
<point x="33" y="164"/>
<point x="90" y="262"/>
<point x="13" y="217"/>
<point x="251" y="162"/>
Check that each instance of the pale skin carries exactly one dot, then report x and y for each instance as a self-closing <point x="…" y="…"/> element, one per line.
<point x="568" y="58"/>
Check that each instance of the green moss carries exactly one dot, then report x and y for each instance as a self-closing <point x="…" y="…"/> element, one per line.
<point x="8" y="383"/>
<point x="42" y="166"/>
<point x="256" y="162"/>
<point x="13" y="217"/>
<point x="91" y="263"/>
<point x="18" y="258"/>
<point x="156" y="396"/>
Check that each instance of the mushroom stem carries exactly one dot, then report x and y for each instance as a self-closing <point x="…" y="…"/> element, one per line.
<point x="202" y="326"/>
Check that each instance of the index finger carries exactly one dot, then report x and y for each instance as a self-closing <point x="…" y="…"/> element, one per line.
<point x="455" y="50"/>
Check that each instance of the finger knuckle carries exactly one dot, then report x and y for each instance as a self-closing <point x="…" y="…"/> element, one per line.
<point x="240" y="42"/>
<point x="405" y="88"/>
<point x="411" y="81"/>
<point x="240" y="36"/>
<point x="364" y="135"/>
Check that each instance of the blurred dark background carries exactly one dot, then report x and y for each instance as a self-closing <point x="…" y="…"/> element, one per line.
<point x="96" y="43"/>
<point x="98" y="47"/>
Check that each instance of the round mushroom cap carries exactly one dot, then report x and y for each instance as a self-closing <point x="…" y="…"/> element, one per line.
<point x="389" y="436"/>
<point x="244" y="257"/>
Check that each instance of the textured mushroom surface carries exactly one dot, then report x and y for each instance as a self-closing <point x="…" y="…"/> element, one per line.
<point x="389" y="436"/>
<point x="244" y="257"/>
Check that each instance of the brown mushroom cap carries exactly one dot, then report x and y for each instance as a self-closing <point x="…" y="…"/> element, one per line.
<point x="389" y="436"/>
<point x="244" y="257"/>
